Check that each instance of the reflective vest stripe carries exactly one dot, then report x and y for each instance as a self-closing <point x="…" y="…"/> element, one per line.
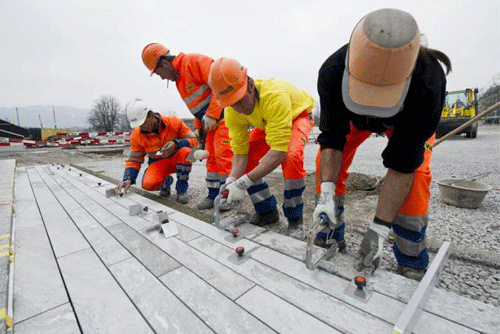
<point x="203" y="104"/>
<point x="196" y="94"/>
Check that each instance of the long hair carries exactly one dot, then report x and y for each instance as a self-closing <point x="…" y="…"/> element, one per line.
<point x="441" y="56"/>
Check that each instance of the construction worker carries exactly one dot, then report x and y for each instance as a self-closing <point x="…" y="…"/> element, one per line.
<point x="190" y="73"/>
<point x="167" y="141"/>
<point x="281" y="117"/>
<point x="383" y="81"/>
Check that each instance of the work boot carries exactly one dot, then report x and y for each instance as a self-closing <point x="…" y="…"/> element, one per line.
<point x="267" y="218"/>
<point x="165" y="187"/>
<point x="205" y="204"/>
<point x="411" y="273"/>
<point x="296" y="228"/>
<point x="182" y="198"/>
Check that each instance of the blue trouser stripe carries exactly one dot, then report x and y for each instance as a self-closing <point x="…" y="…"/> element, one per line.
<point x="289" y="194"/>
<point x="181" y="186"/>
<point x="296" y="211"/>
<point x="256" y="188"/>
<point x="182" y="171"/>
<point x="336" y="234"/>
<point x="413" y="236"/>
<point x="266" y="205"/>
<point x="212" y="193"/>
<point x="293" y="212"/>
<point x="419" y="262"/>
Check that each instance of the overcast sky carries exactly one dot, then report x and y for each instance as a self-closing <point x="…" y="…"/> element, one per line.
<point x="71" y="52"/>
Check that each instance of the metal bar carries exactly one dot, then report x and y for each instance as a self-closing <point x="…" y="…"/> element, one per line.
<point x="415" y="306"/>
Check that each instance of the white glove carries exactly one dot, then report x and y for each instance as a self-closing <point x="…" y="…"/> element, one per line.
<point x="237" y="189"/>
<point x="325" y="202"/>
<point x="373" y="244"/>
<point x="229" y="180"/>
<point x="208" y="122"/>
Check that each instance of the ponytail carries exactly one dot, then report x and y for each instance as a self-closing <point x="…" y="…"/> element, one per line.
<point x="442" y="57"/>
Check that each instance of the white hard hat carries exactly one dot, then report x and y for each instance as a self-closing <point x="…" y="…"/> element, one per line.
<point x="137" y="111"/>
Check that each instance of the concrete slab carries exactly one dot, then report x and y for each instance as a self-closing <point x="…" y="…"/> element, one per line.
<point x="164" y="311"/>
<point x="186" y="283"/>
<point x="99" y="302"/>
<point x="57" y="320"/>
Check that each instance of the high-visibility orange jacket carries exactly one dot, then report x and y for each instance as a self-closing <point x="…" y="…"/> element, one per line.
<point x="192" y="84"/>
<point x="170" y="128"/>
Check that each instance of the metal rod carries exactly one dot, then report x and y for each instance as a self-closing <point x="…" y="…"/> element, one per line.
<point x="408" y="319"/>
<point x="463" y="126"/>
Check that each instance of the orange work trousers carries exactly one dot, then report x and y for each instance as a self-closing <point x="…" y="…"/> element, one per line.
<point x="417" y="200"/>
<point x="158" y="170"/>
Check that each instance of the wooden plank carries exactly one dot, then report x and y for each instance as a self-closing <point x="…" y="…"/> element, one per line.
<point x="147" y="253"/>
<point x="100" y="304"/>
<point x="64" y="236"/>
<point x="330" y="310"/>
<point x="38" y="286"/>
<point x="57" y="320"/>
<point x="220" y="277"/>
<point x="215" y="309"/>
<point x="107" y="248"/>
<point x="165" y="313"/>
<point x="281" y="316"/>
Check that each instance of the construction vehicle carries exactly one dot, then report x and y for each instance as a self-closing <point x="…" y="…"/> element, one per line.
<point x="460" y="107"/>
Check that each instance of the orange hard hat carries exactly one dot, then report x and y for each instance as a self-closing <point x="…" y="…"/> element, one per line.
<point x="228" y="81"/>
<point x="151" y="55"/>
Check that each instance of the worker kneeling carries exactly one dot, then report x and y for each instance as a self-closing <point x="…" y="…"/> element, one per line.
<point x="281" y="120"/>
<point x="167" y="141"/>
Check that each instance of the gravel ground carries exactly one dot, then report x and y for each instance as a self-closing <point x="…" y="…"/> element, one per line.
<point x="473" y="268"/>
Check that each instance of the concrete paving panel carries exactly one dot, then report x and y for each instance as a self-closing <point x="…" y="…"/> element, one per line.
<point x="210" y="230"/>
<point x="164" y="311"/>
<point x="218" y="311"/>
<point x="108" y="249"/>
<point x="147" y="253"/>
<point x="220" y="277"/>
<point x="27" y="214"/>
<point x="346" y="318"/>
<point x="38" y="286"/>
<point x="475" y="314"/>
<point x="57" y="320"/>
<point x="281" y="316"/>
<point x="64" y="235"/>
<point x="100" y="304"/>
<point x="136" y="222"/>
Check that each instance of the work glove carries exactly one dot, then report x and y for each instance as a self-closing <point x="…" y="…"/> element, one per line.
<point x="237" y="189"/>
<point x="325" y="202"/>
<point x="208" y="122"/>
<point x="229" y="180"/>
<point x="373" y="244"/>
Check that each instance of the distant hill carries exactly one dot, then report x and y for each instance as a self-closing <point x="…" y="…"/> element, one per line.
<point x="66" y="117"/>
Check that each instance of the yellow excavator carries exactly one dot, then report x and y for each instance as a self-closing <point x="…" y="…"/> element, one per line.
<point x="460" y="106"/>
